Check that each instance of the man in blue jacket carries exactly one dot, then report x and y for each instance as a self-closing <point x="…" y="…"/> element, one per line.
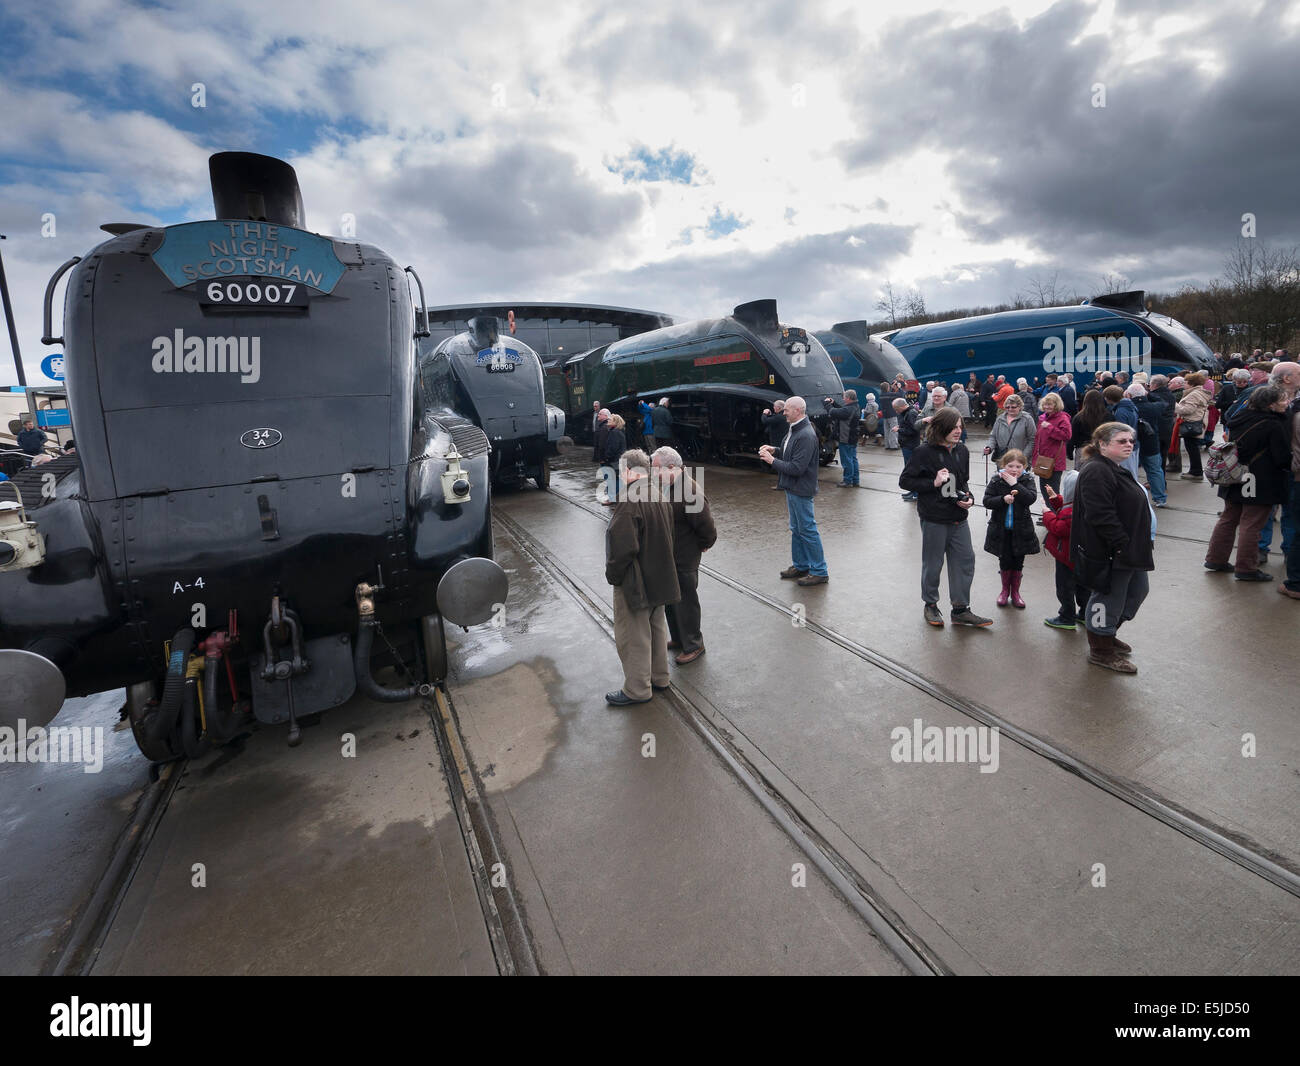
<point x="30" y="439"/>
<point x="647" y="425"/>
<point x="797" y="467"/>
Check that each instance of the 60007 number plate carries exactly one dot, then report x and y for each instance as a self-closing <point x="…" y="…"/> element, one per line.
<point x="252" y="292"/>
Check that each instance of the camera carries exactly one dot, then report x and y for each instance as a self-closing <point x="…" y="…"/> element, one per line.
<point x="962" y="496"/>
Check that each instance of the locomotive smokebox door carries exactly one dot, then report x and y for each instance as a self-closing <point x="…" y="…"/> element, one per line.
<point x="471" y="591"/>
<point x="33" y="689"/>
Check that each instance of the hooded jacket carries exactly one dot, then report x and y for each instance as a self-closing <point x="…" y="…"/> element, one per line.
<point x="1024" y="541"/>
<point x="1057" y="517"/>
<point x="847" y="419"/>
<point x="934" y="504"/>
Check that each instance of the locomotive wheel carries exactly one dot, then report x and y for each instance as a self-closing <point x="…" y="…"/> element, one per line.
<point x="137" y="698"/>
<point x="435" y="648"/>
<point x="543" y="477"/>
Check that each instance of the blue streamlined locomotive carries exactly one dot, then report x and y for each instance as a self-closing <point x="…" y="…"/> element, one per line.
<point x="1114" y="332"/>
<point x="258" y="482"/>
<point x="864" y="361"/>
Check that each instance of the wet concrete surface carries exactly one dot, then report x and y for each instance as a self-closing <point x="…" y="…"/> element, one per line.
<point x="628" y="863"/>
<point x="59" y="822"/>
<point x="1005" y="862"/>
<point x="1216" y="656"/>
<point x="313" y="862"/>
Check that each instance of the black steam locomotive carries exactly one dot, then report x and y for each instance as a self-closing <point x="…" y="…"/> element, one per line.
<point x="496" y="380"/>
<point x="259" y="487"/>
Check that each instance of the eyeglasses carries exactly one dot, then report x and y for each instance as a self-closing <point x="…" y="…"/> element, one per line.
<point x="1122" y="440"/>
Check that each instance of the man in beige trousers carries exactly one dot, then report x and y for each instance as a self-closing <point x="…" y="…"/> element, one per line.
<point x="639" y="563"/>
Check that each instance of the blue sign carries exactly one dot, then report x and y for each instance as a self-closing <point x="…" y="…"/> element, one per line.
<point x="53" y="419"/>
<point x="197" y="251"/>
<point x="498" y="355"/>
<point x="52" y="366"/>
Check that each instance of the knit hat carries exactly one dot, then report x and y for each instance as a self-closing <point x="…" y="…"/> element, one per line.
<point x="1067" y="485"/>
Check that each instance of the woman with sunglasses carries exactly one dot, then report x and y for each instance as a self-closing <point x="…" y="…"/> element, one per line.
<point x="1110" y="543"/>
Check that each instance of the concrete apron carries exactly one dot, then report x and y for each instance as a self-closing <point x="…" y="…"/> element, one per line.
<point x="624" y="861"/>
<point x="313" y="862"/>
<point x="1006" y="861"/>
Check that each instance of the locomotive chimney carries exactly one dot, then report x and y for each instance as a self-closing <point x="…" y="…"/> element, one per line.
<point x="856" y="329"/>
<point x="758" y="315"/>
<point x="257" y="188"/>
<point x="485" y="330"/>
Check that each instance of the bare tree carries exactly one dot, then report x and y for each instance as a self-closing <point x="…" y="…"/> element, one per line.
<point x="1112" y="281"/>
<point x="914" y="305"/>
<point x="889" y="304"/>
<point x="1264" y="284"/>
<point x="1046" y="291"/>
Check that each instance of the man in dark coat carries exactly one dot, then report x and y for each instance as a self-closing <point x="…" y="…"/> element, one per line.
<point x="30" y="439"/>
<point x="909" y="433"/>
<point x="662" y="419"/>
<point x="797" y="467"/>
<point x="1160" y="394"/>
<point x="693" y="534"/>
<point x="640" y="564"/>
<point x="988" y="408"/>
<point x="847" y="420"/>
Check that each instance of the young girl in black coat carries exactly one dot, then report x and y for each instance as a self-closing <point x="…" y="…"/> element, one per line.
<point x="1011" y="534"/>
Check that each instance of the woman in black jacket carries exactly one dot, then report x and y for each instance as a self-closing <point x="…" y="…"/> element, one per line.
<point x="938" y="473"/>
<point x="1263" y="443"/>
<point x="1110" y="542"/>
<point x="1011" y="533"/>
<point x="615" y="446"/>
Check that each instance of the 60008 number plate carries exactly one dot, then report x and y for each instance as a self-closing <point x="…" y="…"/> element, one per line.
<point x="252" y="292"/>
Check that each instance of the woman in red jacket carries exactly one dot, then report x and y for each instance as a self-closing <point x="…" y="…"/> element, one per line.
<point x="1053" y="434"/>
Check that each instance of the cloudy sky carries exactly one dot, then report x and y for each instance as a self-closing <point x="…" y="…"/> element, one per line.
<point x="676" y="156"/>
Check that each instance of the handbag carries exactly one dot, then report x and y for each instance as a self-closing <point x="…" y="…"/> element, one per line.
<point x="1044" y="466"/>
<point x="1192" y="429"/>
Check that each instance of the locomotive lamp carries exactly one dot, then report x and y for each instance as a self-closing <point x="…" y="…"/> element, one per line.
<point x="455" y="482"/>
<point x="21" y="546"/>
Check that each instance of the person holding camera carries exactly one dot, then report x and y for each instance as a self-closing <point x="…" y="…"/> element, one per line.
<point x="939" y="474"/>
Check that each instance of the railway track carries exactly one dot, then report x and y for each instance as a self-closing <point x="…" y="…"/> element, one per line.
<point x="502" y="917"/>
<point x="872" y="891"/>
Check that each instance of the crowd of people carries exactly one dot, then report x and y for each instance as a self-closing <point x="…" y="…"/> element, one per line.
<point x="1124" y="434"/>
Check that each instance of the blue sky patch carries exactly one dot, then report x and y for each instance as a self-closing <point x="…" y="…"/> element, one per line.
<point x="641" y="164"/>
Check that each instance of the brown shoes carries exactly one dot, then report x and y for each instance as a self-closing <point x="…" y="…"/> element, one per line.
<point x="812" y="579"/>
<point x="1102" y="651"/>
<point x="689" y="656"/>
<point x="792" y="572"/>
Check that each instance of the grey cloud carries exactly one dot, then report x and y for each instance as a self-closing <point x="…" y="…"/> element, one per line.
<point x="1173" y="160"/>
<point x="809" y="277"/>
